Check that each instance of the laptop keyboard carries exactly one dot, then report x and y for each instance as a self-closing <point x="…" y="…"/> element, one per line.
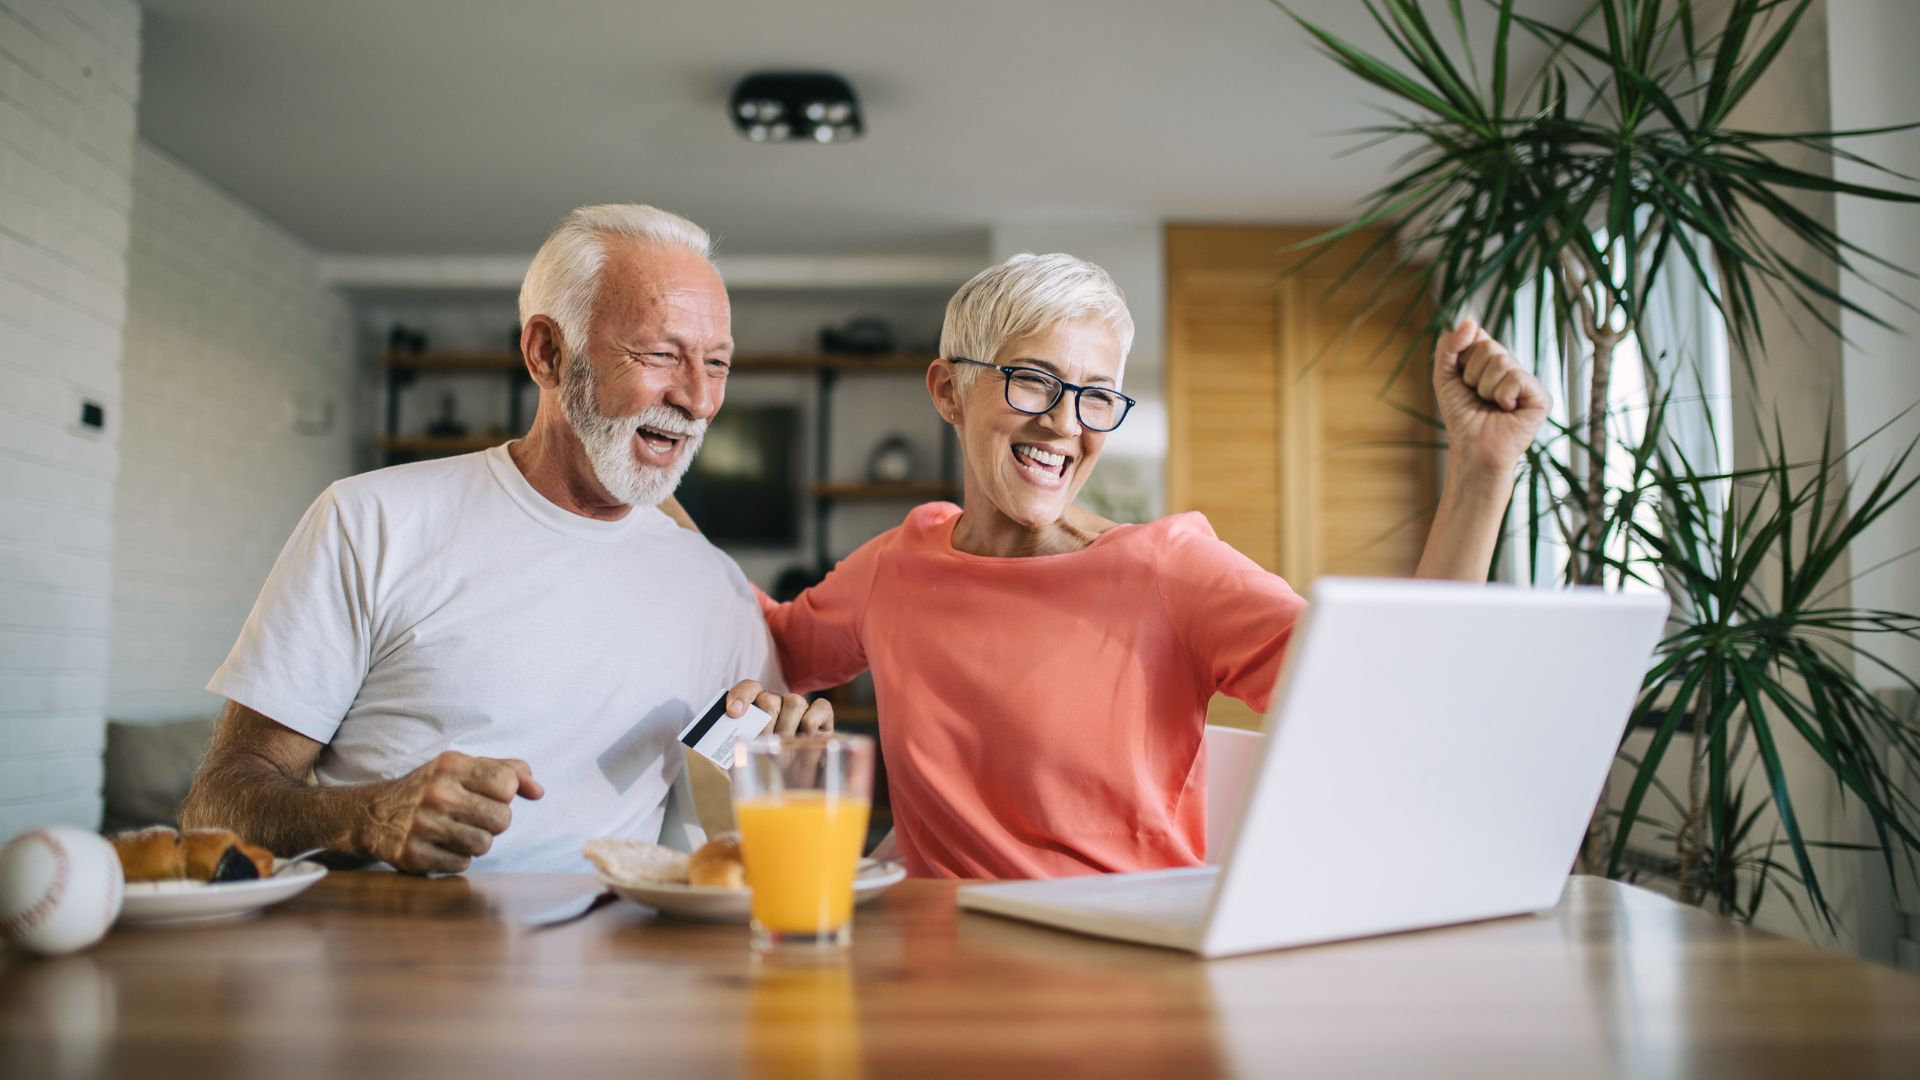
<point x="1180" y="901"/>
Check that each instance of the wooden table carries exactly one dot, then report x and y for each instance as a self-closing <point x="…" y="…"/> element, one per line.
<point x="375" y="974"/>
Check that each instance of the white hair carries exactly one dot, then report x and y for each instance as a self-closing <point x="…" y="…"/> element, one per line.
<point x="565" y="274"/>
<point x="1023" y="296"/>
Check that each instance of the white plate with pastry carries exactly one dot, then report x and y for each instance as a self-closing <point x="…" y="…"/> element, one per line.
<point x="663" y="879"/>
<point x="202" y="875"/>
<point x="205" y="901"/>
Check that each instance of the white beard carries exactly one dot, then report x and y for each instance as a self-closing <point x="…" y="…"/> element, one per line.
<point x="609" y="440"/>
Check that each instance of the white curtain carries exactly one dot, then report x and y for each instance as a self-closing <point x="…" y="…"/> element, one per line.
<point x="1533" y="553"/>
<point x="1680" y="349"/>
<point x="1684" y="346"/>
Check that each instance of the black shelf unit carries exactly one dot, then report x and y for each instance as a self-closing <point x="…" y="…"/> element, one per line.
<point x="405" y="369"/>
<point x="827" y="493"/>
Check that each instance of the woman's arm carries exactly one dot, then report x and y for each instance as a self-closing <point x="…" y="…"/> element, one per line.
<point x="1493" y="407"/>
<point x="818" y="633"/>
<point x="672" y="508"/>
<point x="1233" y="617"/>
<point x="821" y="634"/>
<point x="1466" y="527"/>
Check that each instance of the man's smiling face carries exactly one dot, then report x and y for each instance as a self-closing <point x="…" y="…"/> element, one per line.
<point x="655" y="368"/>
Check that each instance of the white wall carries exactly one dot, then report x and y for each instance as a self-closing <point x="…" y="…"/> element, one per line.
<point x="1797" y="378"/>
<point x="1874" y="84"/>
<point x="1130" y="480"/>
<point x="229" y="331"/>
<point x="69" y="88"/>
<point x="1840" y="69"/>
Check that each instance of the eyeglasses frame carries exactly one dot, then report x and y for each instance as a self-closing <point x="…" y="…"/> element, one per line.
<point x="1007" y="372"/>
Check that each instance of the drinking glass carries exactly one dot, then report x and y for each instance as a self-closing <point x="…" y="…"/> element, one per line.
<point x="801" y="804"/>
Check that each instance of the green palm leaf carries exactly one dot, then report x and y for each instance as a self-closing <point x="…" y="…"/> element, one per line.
<point x="1571" y="201"/>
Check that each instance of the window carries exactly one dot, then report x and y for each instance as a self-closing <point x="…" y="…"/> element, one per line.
<point x="1681" y="347"/>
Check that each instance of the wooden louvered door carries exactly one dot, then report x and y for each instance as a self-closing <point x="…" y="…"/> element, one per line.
<point x="1283" y="429"/>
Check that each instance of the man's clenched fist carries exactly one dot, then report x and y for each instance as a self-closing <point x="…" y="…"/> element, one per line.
<point x="438" y="817"/>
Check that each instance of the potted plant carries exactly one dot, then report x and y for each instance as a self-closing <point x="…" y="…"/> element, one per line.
<point x="1759" y="654"/>
<point x="1563" y="206"/>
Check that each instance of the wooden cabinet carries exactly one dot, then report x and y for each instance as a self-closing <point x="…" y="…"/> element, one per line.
<point x="1283" y="426"/>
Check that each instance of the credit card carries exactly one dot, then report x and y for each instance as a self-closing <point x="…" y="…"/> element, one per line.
<point x="714" y="734"/>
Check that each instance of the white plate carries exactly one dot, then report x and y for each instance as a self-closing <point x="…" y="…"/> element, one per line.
<point x="203" y="901"/>
<point x="710" y="903"/>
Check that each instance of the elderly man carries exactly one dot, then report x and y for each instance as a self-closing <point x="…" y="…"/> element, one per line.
<point x="440" y="639"/>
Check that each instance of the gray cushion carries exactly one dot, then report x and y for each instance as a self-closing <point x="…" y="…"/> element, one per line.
<point x="149" y="768"/>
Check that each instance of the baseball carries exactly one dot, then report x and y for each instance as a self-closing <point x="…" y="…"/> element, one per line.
<point x="60" y="888"/>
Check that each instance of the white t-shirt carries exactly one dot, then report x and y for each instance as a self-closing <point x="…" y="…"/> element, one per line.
<point x="447" y="605"/>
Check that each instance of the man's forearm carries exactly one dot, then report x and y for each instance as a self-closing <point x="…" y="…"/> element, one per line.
<point x="1466" y="527"/>
<point x="438" y="817"/>
<point x="249" y="795"/>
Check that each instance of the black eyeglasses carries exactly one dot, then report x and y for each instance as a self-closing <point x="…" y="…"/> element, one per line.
<point x="1036" y="392"/>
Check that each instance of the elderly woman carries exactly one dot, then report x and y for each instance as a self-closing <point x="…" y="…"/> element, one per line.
<point x="1042" y="673"/>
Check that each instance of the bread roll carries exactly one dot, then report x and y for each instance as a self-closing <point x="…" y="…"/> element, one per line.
<point x="718" y="863"/>
<point x="150" y="855"/>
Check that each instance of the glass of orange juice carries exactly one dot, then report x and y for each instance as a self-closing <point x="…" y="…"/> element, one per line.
<point x="800" y="803"/>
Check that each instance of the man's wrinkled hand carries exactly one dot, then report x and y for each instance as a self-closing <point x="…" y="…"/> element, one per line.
<point x="438" y="817"/>
<point x="792" y="714"/>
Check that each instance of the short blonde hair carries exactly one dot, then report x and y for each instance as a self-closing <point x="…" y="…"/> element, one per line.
<point x="565" y="274"/>
<point x="1025" y="295"/>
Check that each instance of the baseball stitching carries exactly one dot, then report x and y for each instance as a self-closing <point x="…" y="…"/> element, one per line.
<point x="15" y="925"/>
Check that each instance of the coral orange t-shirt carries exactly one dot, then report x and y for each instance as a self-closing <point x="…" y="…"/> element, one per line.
<point x="1043" y="716"/>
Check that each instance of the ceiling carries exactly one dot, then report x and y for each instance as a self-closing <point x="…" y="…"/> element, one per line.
<point x="446" y="127"/>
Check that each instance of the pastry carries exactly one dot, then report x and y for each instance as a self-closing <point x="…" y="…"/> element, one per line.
<point x="718" y="863"/>
<point x="636" y="862"/>
<point x="219" y="855"/>
<point x="150" y="855"/>
<point x="161" y="854"/>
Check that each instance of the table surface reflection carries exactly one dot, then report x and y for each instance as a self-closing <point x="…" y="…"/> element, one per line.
<point x="373" y="974"/>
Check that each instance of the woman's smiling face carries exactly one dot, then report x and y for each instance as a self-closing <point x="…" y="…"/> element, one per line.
<point x="1027" y="469"/>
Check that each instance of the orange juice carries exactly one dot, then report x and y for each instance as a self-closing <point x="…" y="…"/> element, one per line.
<point x="801" y="849"/>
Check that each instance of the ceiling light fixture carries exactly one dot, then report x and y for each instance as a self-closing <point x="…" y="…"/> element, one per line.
<point x="796" y="106"/>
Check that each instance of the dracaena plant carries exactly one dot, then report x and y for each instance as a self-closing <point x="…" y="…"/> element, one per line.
<point x="1561" y="199"/>
<point x="1758" y="656"/>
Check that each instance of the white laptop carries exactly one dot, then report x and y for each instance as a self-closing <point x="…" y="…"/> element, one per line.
<point x="1433" y="756"/>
